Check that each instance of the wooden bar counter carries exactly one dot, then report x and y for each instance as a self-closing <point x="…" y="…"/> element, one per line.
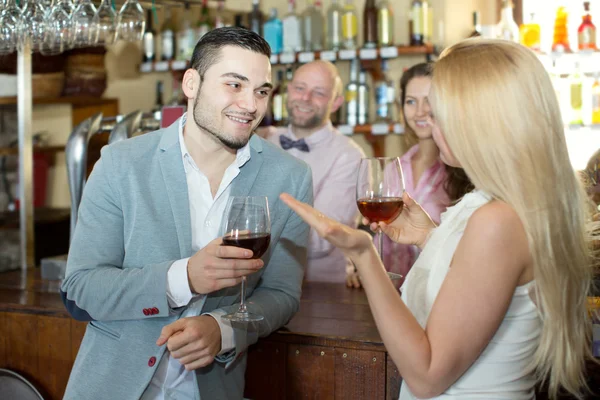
<point x="330" y="350"/>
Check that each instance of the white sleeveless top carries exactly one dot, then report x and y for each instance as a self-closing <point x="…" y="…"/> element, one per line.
<point x="503" y="370"/>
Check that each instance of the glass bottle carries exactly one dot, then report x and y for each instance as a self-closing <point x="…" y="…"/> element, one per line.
<point x="586" y="33"/>
<point x="277" y="102"/>
<point x="529" y="34"/>
<point x="576" y="96"/>
<point x="385" y="23"/>
<point x="204" y="23"/>
<point x="415" y="23"/>
<point x="363" y="99"/>
<point x="334" y="26"/>
<point x="219" y="17"/>
<point x="349" y="26"/>
<point x="385" y="95"/>
<point x="351" y="95"/>
<point x="560" y="42"/>
<point x="370" y="24"/>
<point x="292" y="34"/>
<point x="313" y="27"/>
<point x="427" y="21"/>
<point x="273" y="31"/>
<point x="476" y="25"/>
<point x="168" y="30"/>
<point x="507" y="29"/>
<point x="289" y="74"/>
<point x="186" y="36"/>
<point x="255" y="18"/>
<point x="596" y="101"/>
<point x="148" y="40"/>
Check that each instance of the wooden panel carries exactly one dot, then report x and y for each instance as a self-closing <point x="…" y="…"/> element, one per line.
<point x="310" y="372"/>
<point x="359" y="374"/>
<point x="77" y="332"/>
<point x="108" y="108"/>
<point x="265" y="372"/>
<point x="3" y="339"/>
<point x="393" y="380"/>
<point x="21" y="333"/>
<point x="54" y="357"/>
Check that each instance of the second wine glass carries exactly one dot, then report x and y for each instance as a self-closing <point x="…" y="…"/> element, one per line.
<point x="379" y="189"/>
<point x="247" y="224"/>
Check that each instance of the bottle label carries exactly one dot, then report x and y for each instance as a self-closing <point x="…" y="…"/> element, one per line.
<point x="167" y="45"/>
<point x="349" y="26"/>
<point x="149" y="45"/>
<point x="278" y="108"/>
<point x="587" y="38"/>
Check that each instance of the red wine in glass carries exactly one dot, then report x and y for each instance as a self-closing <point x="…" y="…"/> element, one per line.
<point x="380" y="209"/>
<point x="258" y="243"/>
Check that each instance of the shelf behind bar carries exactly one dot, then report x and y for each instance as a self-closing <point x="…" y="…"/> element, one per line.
<point x="291" y="58"/>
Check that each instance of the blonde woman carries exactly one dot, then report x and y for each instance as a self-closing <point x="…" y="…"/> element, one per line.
<point x="497" y="299"/>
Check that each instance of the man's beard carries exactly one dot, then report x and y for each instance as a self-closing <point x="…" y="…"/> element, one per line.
<point x="311" y="123"/>
<point x="203" y="123"/>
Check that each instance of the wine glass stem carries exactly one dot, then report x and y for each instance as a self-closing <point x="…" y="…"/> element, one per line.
<point x="243" y="299"/>
<point x="380" y="244"/>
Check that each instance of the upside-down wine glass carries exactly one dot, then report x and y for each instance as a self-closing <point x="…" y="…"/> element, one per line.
<point x="379" y="189"/>
<point x="247" y="224"/>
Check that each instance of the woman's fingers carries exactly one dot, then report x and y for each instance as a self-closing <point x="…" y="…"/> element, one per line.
<point x="306" y="212"/>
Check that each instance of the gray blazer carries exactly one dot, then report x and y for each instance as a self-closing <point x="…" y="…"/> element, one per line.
<point x="134" y="222"/>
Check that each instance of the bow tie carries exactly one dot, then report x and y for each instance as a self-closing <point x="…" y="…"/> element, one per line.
<point x="287" y="143"/>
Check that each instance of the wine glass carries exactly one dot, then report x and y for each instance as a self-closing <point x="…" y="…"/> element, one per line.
<point x="58" y="33"/>
<point x="131" y="22"/>
<point x="31" y="25"/>
<point x="106" y="23"/>
<point x="379" y="189"/>
<point x="9" y="21"/>
<point x="247" y="224"/>
<point x="84" y="30"/>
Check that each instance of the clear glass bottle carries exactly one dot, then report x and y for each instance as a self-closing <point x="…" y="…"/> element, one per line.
<point x="530" y="35"/>
<point x="289" y="75"/>
<point x="586" y="34"/>
<point x="351" y="95"/>
<point x="385" y="96"/>
<point x="385" y="23"/>
<point x="363" y="99"/>
<point x="186" y="36"/>
<point x="278" y="100"/>
<point x="273" y="31"/>
<point x="313" y="26"/>
<point x="427" y="22"/>
<point x="149" y="39"/>
<point x="334" y="26"/>
<point x="350" y="26"/>
<point x="507" y="28"/>
<point x="576" y="96"/>
<point x="219" y="17"/>
<point x="167" y="33"/>
<point x="255" y="18"/>
<point x="292" y="33"/>
<point x="205" y="24"/>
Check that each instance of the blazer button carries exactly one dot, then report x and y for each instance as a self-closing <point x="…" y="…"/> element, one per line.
<point x="152" y="361"/>
<point x="146" y="311"/>
<point x="154" y="310"/>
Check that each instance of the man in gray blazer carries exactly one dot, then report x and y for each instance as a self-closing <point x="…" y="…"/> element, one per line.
<point x="146" y="267"/>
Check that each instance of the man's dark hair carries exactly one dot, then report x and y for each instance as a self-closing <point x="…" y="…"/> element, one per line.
<point x="208" y="49"/>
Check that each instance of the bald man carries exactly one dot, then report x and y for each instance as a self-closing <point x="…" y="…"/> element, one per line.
<point x="314" y="94"/>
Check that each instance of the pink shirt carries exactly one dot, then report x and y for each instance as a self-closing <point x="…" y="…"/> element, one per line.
<point x="430" y="193"/>
<point x="334" y="160"/>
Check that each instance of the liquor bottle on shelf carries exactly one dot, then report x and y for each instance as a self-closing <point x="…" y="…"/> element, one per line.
<point x="351" y="95"/>
<point x="273" y="31"/>
<point x="278" y="99"/>
<point x="415" y="24"/>
<point x="427" y="21"/>
<point x="370" y="25"/>
<point x="507" y="28"/>
<point x="334" y="26"/>
<point x="255" y="18"/>
<point x="186" y="37"/>
<point x="219" y="17"/>
<point x="167" y="41"/>
<point x="385" y="96"/>
<point x="292" y="34"/>
<point x="313" y="26"/>
<point x="560" y="42"/>
<point x="158" y="104"/>
<point x="350" y="26"/>
<point x="385" y="23"/>
<point x="586" y="33"/>
<point x="576" y="96"/>
<point x="363" y="100"/>
<point x="596" y="101"/>
<point x="289" y="75"/>
<point x="530" y="35"/>
<point x="476" y="25"/>
<point x="149" y="39"/>
<point x="238" y="21"/>
<point x="204" y="23"/>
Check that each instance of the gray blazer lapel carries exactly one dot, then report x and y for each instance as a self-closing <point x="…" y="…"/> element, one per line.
<point x="249" y="172"/>
<point x="171" y="165"/>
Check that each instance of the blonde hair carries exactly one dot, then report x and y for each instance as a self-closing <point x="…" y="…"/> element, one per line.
<point x="498" y="110"/>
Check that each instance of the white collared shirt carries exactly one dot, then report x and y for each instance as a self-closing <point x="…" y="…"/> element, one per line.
<point x="171" y="380"/>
